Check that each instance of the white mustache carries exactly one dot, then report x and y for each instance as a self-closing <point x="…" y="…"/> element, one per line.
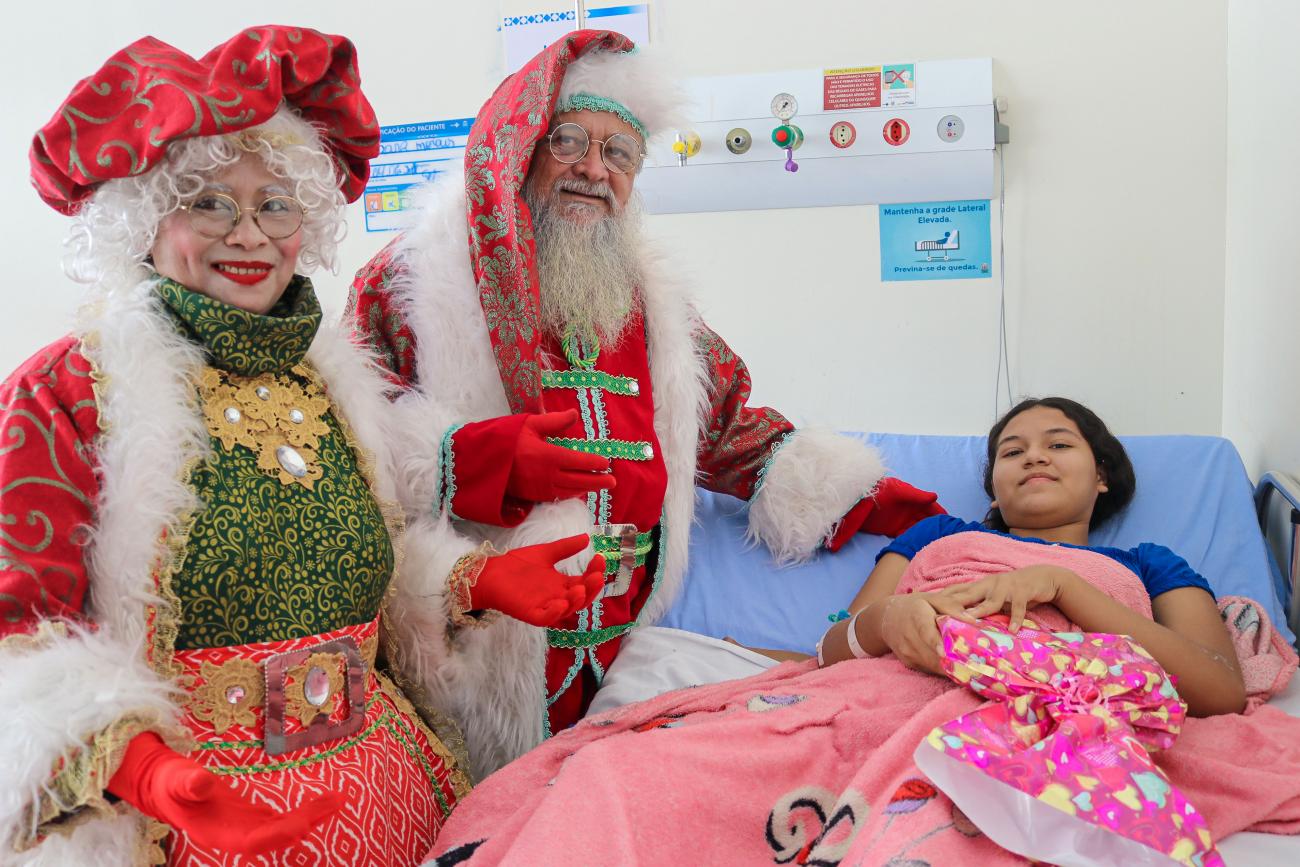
<point x="585" y="188"/>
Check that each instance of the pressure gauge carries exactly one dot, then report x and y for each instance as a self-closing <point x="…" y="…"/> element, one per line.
<point x="784" y="106"/>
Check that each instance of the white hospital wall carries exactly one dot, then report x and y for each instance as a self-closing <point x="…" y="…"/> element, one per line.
<point x="1261" y="343"/>
<point x="1115" y="185"/>
<point x="1115" y="195"/>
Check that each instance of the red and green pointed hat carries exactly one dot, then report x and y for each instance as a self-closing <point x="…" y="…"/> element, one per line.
<point x="592" y="70"/>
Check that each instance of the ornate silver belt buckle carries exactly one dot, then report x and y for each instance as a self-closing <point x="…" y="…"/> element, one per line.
<point x="308" y="685"/>
<point x="621" y="581"/>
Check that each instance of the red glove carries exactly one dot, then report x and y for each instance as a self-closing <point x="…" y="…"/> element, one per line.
<point x="889" y="510"/>
<point x="542" y="472"/>
<point x="162" y="783"/>
<point x="524" y="583"/>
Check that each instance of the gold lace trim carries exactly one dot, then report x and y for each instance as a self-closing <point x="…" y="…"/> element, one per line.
<point x="155" y="833"/>
<point x="265" y="413"/>
<point x="369" y="650"/>
<point x="460" y="582"/>
<point x="210" y="700"/>
<point x="76" y="789"/>
<point x="394" y="669"/>
<point x="460" y="783"/>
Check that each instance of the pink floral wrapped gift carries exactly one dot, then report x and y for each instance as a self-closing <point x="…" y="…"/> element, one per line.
<point x="1058" y="767"/>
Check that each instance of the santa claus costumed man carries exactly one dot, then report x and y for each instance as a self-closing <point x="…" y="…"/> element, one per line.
<point x="552" y="379"/>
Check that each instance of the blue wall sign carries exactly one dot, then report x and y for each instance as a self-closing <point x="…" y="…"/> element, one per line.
<point x="935" y="241"/>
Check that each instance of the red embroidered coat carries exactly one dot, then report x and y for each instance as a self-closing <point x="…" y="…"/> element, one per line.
<point x="670" y="401"/>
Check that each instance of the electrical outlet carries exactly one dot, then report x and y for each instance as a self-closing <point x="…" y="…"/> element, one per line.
<point x="896" y="131"/>
<point x="843" y="134"/>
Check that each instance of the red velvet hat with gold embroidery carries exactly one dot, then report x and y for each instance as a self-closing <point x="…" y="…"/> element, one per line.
<point x="118" y="122"/>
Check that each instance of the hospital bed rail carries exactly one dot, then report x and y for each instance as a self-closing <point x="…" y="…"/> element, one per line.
<point x="1277" y="504"/>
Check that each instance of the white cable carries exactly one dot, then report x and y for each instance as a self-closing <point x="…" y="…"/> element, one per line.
<point x="1004" y="350"/>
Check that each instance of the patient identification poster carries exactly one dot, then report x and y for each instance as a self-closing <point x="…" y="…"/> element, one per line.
<point x="409" y="155"/>
<point x="935" y="241"/>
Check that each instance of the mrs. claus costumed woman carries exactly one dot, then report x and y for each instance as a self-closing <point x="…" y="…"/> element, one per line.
<point x="196" y="551"/>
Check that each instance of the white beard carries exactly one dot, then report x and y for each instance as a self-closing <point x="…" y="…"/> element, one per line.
<point x="587" y="271"/>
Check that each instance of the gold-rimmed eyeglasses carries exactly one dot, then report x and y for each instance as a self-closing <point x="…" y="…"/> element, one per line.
<point x="621" y="153"/>
<point x="215" y="215"/>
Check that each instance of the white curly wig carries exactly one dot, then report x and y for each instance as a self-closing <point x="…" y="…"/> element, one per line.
<point x="114" y="231"/>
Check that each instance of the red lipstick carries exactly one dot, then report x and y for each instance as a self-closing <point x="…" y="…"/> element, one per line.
<point x="243" y="273"/>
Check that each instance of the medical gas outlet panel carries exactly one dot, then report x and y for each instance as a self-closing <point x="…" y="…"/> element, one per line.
<point x="806" y="139"/>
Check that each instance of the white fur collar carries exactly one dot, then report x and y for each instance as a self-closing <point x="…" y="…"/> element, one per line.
<point x="153" y="433"/>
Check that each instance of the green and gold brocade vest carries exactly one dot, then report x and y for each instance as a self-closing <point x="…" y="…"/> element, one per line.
<point x="288" y="540"/>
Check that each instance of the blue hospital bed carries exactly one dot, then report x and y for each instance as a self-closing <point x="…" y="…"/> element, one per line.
<point x="1193" y="496"/>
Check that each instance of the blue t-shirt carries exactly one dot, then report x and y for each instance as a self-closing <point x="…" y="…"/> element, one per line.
<point x="1160" y="569"/>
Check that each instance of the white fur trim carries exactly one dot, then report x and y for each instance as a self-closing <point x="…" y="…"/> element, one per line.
<point x="490" y="679"/>
<point x="812" y="482"/>
<point x="56" y="695"/>
<point x="152" y="431"/>
<point x="639" y="80"/>
<point x="114" y="841"/>
<point x="679" y="375"/>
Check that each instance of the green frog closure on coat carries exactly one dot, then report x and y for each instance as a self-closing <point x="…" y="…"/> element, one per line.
<point x="289" y="541"/>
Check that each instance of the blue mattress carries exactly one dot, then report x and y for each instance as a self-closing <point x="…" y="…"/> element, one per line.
<point x="1193" y="496"/>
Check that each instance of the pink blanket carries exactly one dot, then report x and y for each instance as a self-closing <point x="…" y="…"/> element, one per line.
<point x="814" y="766"/>
<point x="965" y="557"/>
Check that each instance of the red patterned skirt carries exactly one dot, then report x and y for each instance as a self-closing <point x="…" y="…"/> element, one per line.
<point x="287" y="720"/>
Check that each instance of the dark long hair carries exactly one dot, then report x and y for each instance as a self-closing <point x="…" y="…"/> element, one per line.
<point x="1112" y="460"/>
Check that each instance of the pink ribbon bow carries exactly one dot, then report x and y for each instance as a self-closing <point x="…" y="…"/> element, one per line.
<point x="1057" y="766"/>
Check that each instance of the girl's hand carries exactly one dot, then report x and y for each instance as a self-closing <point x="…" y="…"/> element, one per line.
<point x="908" y="626"/>
<point x="1013" y="592"/>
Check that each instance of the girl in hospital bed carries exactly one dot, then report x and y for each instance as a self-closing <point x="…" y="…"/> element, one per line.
<point x="1054" y="472"/>
<point x="1055" y="732"/>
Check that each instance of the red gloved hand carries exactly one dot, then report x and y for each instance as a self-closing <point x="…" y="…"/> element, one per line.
<point x="543" y="472"/>
<point x="889" y="510"/>
<point x="525" y="584"/>
<point x="162" y="783"/>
